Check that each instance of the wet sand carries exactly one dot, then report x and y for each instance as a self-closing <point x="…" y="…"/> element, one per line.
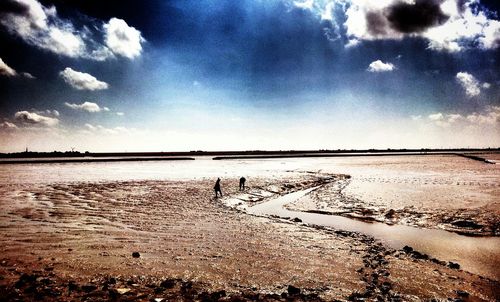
<point x="475" y="254"/>
<point x="83" y="231"/>
<point x="76" y="239"/>
<point x="445" y="192"/>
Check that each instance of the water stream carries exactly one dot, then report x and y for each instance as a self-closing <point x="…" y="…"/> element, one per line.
<point x="480" y="255"/>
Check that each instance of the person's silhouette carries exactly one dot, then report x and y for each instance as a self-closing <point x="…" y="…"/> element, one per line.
<point x="242" y="183"/>
<point x="217" y="188"/>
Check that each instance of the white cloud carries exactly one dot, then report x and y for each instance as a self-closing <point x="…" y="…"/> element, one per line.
<point x="491" y="116"/>
<point x="48" y="112"/>
<point x="90" y="127"/>
<point x="449" y="25"/>
<point x="33" y="118"/>
<point x="28" y="75"/>
<point x="327" y="13"/>
<point x="86" y="106"/>
<point x="120" y="113"/>
<point x="353" y="42"/>
<point x="81" y="80"/>
<point x="6" y="70"/>
<point x="436" y="116"/>
<point x="491" y="35"/>
<point x="307" y="4"/>
<point x="41" y="26"/>
<point x="112" y="131"/>
<point x="469" y="83"/>
<point x="445" y="120"/>
<point x="8" y="126"/>
<point x="379" y="66"/>
<point x="486" y="85"/>
<point x="416" y="117"/>
<point x="122" y="39"/>
<point x="453" y="117"/>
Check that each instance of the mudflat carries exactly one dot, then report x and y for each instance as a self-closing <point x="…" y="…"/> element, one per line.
<point x="167" y="238"/>
<point x="446" y="192"/>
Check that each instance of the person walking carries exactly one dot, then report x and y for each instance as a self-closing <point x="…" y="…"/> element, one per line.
<point x="242" y="183"/>
<point x="217" y="188"/>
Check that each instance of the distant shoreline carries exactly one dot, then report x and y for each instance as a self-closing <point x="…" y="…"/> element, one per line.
<point x="469" y="155"/>
<point x="76" y="154"/>
<point x="77" y="157"/>
<point x="89" y="160"/>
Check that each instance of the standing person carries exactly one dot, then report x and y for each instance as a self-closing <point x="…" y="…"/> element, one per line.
<point x="242" y="183"/>
<point x="217" y="188"/>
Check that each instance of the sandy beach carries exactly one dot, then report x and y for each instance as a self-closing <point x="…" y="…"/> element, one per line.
<point x="77" y="239"/>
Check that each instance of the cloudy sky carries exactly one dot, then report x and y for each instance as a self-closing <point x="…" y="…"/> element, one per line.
<point x="184" y="75"/>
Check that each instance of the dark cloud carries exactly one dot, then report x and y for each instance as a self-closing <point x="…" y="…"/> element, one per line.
<point x="415" y="18"/>
<point x="13" y="7"/>
<point x="496" y="43"/>
<point x="376" y="23"/>
<point x="461" y="5"/>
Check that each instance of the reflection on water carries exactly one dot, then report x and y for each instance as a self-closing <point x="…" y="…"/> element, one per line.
<point x="204" y="166"/>
<point x="200" y="168"/>
<point x="479" y="255"/>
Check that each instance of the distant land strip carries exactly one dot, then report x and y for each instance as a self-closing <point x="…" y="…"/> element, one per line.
<point x="89" y="160"/>
<point x="77" y="154"/>
<point x="304" y="155"/>
<point x="79" y="157"/>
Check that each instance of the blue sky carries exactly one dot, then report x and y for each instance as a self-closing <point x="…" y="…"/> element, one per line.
<point x="236" y="75"/>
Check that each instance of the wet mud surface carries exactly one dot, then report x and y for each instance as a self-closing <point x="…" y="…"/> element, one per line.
<point x="450" y="193"/>
<point x="332" y="199"/>
<point x="173" y="241"/>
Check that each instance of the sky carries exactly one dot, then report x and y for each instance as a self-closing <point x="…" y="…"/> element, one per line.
<point x="184" y="75"/>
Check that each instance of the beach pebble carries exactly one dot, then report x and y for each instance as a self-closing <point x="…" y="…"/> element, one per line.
<point x="168" y="283"/>
<point x="462" y="293"/>
<point x="123" y="290"/>
<point x="89" y="288"/>
<point x="466" y="224"/>
<point x="407" y="249"/>
<point x="292" y="290"/>
<point x="72" y="286"/>
<point x="418" y="255"/>
<point x="437" y="261"/>
<point x="218" y="295"/>
<point x="136" y="255"/>
<point x="390" y="213"/>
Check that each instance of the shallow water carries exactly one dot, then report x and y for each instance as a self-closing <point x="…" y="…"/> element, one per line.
<point x="202" y="167"/>
<point x="435" y="167"/>
<point x="478" y="255"/>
